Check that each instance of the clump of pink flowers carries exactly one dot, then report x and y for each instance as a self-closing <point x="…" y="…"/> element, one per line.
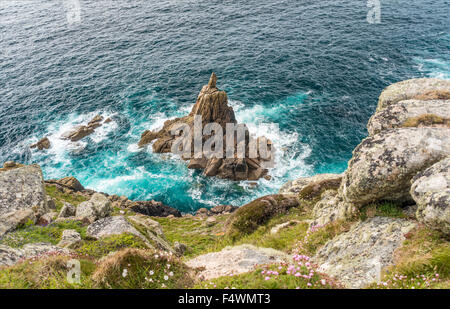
<point x="302" y="270"/>
<point x="302" y="244"/>
<point x="398" y="281"/>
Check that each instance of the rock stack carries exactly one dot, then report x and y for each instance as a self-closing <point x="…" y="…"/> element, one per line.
<point x="212" y="106"/>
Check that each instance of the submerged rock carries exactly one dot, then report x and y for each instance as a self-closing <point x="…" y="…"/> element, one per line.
<point x="357" y="257"/>
<point x="82" y="131"/>
<point x="235" y="260"/>
<point x="212" y="106"/>
<point x="431" y="191"/>
<point x="42" y="144"/>
<point x="383" y="165"/>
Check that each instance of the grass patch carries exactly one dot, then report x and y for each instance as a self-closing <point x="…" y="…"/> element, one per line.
<point x="46" y="273"/>
<point x="51" y="233"/>
<point x="101" y="247"/>
<point x="60" y="197"/>
<point x="384" y="209"/>
<point x="423" y="261"/>
<point x="138" y="269"/>
<point x="426" y="120"/>
<point x="194" y="232"/>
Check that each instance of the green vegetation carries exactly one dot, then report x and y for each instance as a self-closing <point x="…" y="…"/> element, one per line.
<point x="46" y="273"/>
<point x="249" y="217"/>
<point x="275" y="276"/>
<point x="60" y="197"/>
<point x="142" y="269"/>
<point x="104" y="246"/>
<point x="385" y="209"/>
<point x="422" y="262"/>
<point x="51" y="233"/>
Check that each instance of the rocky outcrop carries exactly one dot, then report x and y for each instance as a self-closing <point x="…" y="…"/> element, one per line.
<point x="418" y="89"/>
<point x="235" y="260"/>
<point x="310" y="187"/>
<point x="67" y="211"/>
<point x="216" y="210"/>
<point x="212" y="106"/>
<point x="145" y="228"/>
<point x="82" y="131"/>
<point x="411" y="113"/>
<point x="42" y="144"/>
<point x="383" y="165"/>
<point x="154" y="209"/>
<point x="70" y="183"/>
<point x="431" y="191"/>
<point x="22" y="196"/>
<point x="357" y="257"/>
<point x="97" y="207"/>
<point x="247" y="218"/>
<point x="10" y="256"/>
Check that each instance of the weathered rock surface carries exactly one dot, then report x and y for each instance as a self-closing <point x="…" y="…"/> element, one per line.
<point x="357" y="257"/>
<point x="235" y="260"/>
<point x="70" y="183"/>
<point x="411" y="113"/>
<point x="21" y="190"/>
<point x="212" y="106"/>
<point x="383" y="165"/>
<point x="115" y="225"/>
<point x="311" y="186"/>
<point x="96" y="208"/>
<point x="42" y="144"/>
<point x="154" y="232"/>
<point x="431" y="191"/>
<point x="419" y="89"/>
<point x="68" y="210"/>
<point x="10" y="256"/>
<point x="69" y="238"/>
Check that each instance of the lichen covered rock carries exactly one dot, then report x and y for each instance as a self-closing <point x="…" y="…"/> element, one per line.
<point x="310" y="187"/>
<point x="419" y="89"/>
<point x="431" y="191"/>
<point x="235" y="260"/>
<point x="383" y="165"/>
<point x="10" y="256"/>
<point x="22" y="194"/>
<point x="357" y="257"/>
<point x="96" y="208"/>
<point x="411" y="113"/>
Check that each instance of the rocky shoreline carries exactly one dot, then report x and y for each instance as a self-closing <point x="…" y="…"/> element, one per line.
<point x="341" y="230"/>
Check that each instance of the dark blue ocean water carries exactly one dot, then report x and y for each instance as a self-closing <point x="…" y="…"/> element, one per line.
<point x="314" y="68"/>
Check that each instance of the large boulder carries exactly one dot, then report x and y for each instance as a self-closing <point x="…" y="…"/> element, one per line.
<point x="70" y="183"/>
<point x="419" y="89"/>
<point x="69" y="238"/>
<point x="154" y="209"/>
<point x="356" y="258"/>
<point x="96" y="208"/>
<point x="235" y="260"/>
<point x="431" y="191"/>
<point x="212" y="106"/>
<point x="411" y="113"/>
<point x="10" y="256"/>
<point x="383" y="165"/>
<point x="249" y="217"/>
<point x="109" y="226"/>
<point x="310" y="187"/>
<point x="21" y="190"/>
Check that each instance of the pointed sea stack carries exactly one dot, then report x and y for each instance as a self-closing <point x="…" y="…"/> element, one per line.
<point x="212" y="106"/>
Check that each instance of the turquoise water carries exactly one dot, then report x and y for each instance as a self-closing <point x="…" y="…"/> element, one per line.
<point x="314" y="68"/>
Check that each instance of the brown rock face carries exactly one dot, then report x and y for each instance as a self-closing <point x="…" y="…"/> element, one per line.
<point x="42" y="144"/>
<point x="82" y="131"/>
<point x="212" y="106"/>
